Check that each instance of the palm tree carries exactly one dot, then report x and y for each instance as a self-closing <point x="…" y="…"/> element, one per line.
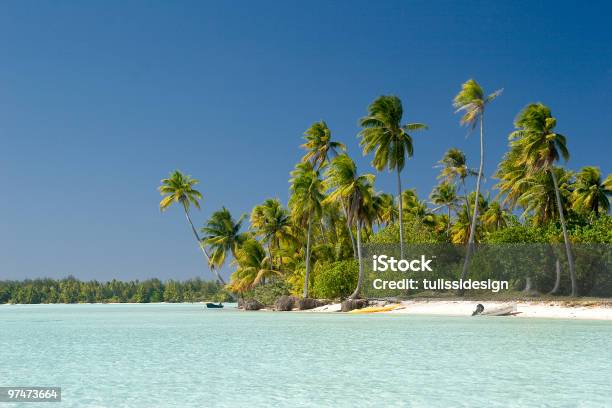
<point x="495" y="217"/>
<point x="391" y="142"/>
<point x="471" y="101"/>
<point x="356" y="192"/>
<point x="271" y="221"/>
<point x="454" y="166"/>
<point x="178" y="188"/>
<point x="445" y="195"/>
<point x="590" y="193"/>
<point x="318" y="144"/>
<point x="539" y="196"/>
<point x="512" y="175"/>
<point x="251" y="262"/>
<point x="386" y="211"/>
<point x="222" y="234"/>
<point x="305" y="204"/>
<point x="542" y="147"/>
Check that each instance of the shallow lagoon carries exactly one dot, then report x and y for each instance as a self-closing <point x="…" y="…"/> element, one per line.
<point x="182" y="355"/>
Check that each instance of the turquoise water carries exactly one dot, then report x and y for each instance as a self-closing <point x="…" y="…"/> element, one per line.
<point x="186" y="356"/>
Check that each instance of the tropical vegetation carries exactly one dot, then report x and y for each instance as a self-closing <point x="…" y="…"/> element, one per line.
<point x="313" y="247"/>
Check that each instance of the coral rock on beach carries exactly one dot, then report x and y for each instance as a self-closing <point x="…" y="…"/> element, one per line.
<point x="352" y="304"/>
<point x="285" y="303"/>
<point x="252" y="304"/>
<point x="309" y="303"/>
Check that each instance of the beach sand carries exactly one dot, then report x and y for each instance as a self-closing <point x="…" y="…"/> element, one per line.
<point x="541" y="309"/>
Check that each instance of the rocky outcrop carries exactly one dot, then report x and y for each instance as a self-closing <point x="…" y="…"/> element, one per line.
<point x="252" y="304"/>
<point x="285" y="303"/>
<point x="309" y="303"/>
<point x="352" y="304"/>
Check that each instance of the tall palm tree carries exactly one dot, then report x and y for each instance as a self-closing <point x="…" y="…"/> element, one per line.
<point x="445" y="195"/>
<point x="454" y="166"/>
<point x="356" y="191"/>
<point x="471" y="101"/>
<point x="222" y="235"/>
<point x="590" y="193"/>
<point x="271" y="221"/>
<point x="179" y="188"/>
<point x="319" y="144"/>
<point x="391" y="142"/>
<point x="542" y="147"/>
<point x="305" y="204"/>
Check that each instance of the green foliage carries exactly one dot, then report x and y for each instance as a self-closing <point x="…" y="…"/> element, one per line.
<point x="416" y="231"/>
<point x="335" y="280"/>
<point x="268" y="293"/>
<point x="71" y="290"/>
<point x="599" y="231"/>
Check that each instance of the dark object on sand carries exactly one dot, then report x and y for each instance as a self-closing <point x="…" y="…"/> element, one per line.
<point x="479" y="310"/>
<point x="352" y="304"/>
<point x="214" y="305"/>
<point x="501" y="310"/>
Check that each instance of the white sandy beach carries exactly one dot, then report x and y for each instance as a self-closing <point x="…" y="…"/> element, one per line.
<point x="540" y="309"/>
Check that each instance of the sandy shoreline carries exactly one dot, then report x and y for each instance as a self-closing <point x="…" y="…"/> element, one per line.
<point x="551" y="310"/>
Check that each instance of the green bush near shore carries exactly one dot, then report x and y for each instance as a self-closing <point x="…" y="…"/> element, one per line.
<point x="335" y="280"/>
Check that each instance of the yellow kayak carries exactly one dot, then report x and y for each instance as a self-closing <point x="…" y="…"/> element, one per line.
<point x="376" y="309"/>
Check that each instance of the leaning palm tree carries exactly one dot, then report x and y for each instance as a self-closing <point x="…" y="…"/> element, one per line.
<point x="391" y="142"/>
<point x="471" y="101"/>
<point x="590" y="192"/>
<point x="445" y="195"/>
<point x="271" y="221"/>
<point x="178" y="188"/>
<point x="305" y="204"/>
<point x="319" y="144"/>
<point x="222" y="235"/>
<point x="454" y="166"/>
<point x="542" y="147"/>
<point x="356" y="191"/>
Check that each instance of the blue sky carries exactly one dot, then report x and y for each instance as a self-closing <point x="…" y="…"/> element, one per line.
<point x="100" y="100"/>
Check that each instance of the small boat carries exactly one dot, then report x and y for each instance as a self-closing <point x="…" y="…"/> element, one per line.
<point x="502" y="310"/>
<point x="214" y="305"/>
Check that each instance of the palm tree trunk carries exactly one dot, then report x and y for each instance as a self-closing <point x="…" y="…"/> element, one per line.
<point x="197" y="237"/>
<point x="467" y="202"/>
<point x="401" y="215"/>
<point x="557" y="278"/>
<point x="568" y="249"/>
<point x="449" y="221"/>
<point x="470" y="244"/>
<point x="350" y="231"/>
<point x="307" y="277"/>
<point x="355" y="294"/>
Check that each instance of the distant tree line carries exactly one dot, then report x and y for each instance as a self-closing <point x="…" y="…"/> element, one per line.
<point x="72" y="290"/>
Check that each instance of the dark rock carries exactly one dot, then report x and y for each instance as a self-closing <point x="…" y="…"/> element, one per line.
<point x="309" y="303"/>
<point x="285" y="303"/>
<point x="252" y="304"/>
<point x="352" y="304"/>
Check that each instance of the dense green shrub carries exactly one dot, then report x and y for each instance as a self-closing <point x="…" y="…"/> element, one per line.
<point x="336" y="279"/>
<point x="268" y="293"/>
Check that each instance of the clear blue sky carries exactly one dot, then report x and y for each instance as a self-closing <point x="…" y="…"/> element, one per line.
<point x="100" y="100"/>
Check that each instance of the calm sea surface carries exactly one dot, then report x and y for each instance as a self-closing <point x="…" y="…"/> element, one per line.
<point x="185" y="356"/>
